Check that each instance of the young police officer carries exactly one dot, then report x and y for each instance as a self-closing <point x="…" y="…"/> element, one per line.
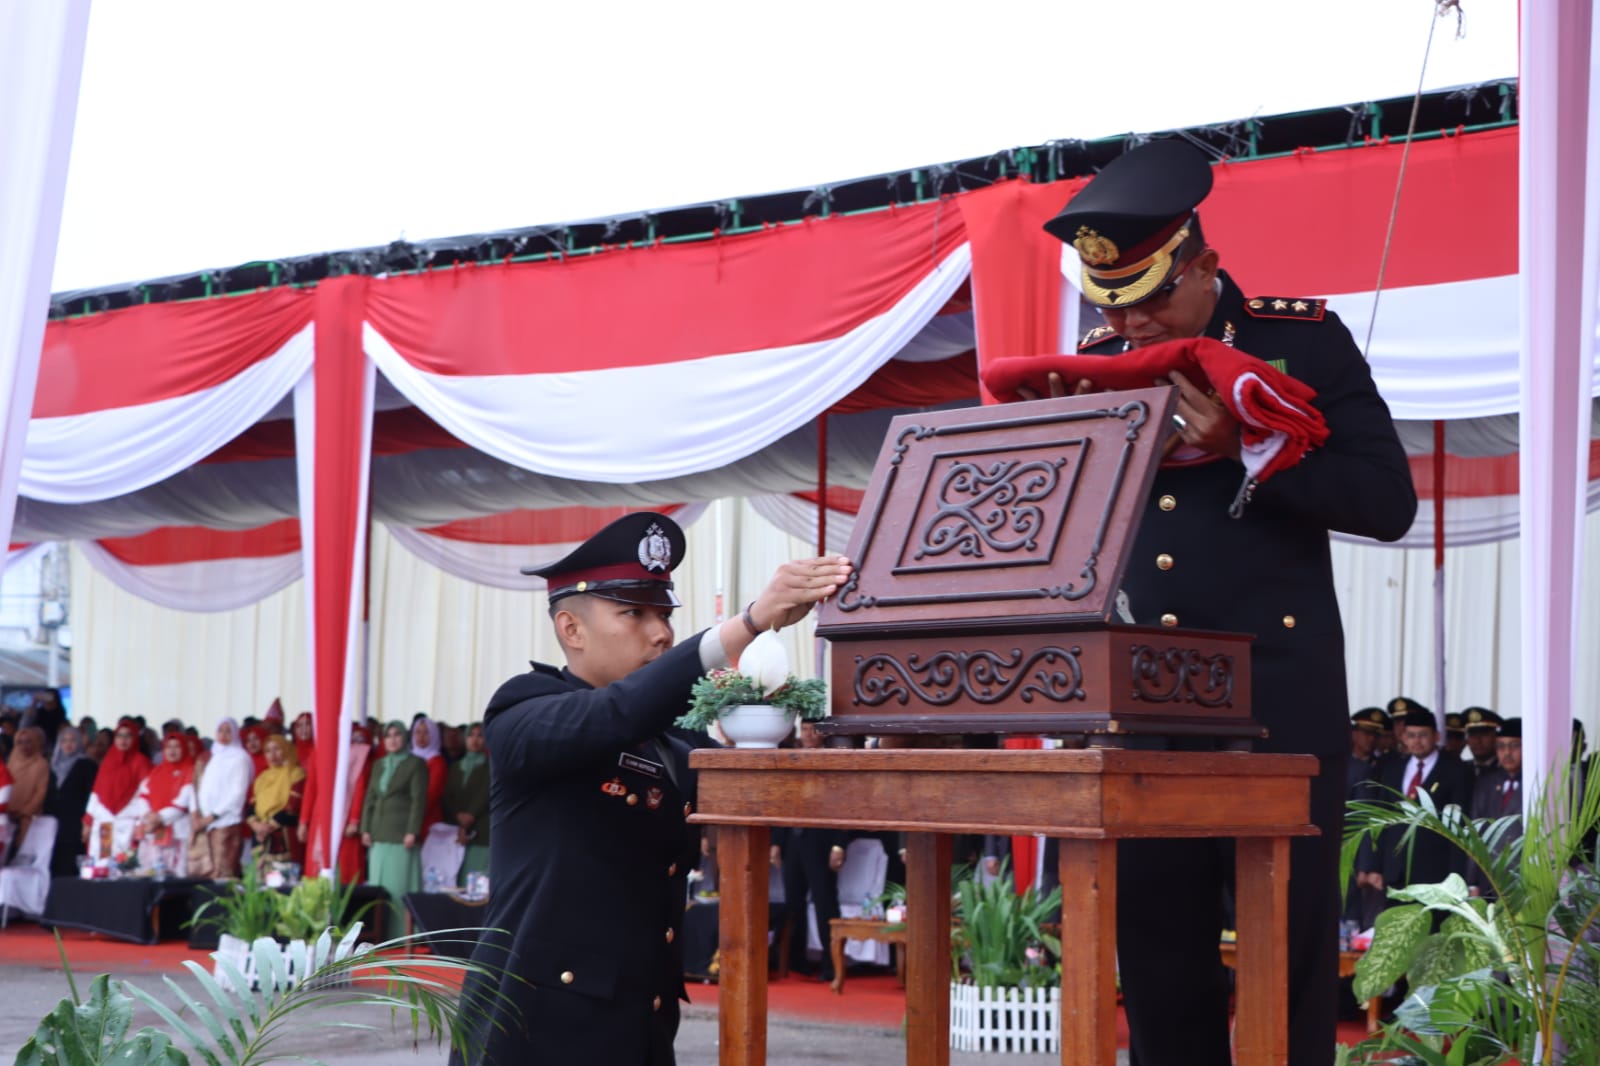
<point x="588" y="798"/>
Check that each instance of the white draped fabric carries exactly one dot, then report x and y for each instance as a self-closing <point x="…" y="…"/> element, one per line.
<point x="101" y="454"/>
<point x="41" y="58"/>
<point x="665" y="420"/>
<point x="205" y="586"/>
<point x="500" y="565"/>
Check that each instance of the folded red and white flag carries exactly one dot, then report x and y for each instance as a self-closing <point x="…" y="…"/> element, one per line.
<point x="1277" y="423"/>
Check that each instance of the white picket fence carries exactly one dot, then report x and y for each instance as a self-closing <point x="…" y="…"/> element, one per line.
<point x="1005" y="1019"/>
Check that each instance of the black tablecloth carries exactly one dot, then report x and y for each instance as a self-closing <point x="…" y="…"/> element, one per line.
<point x="434" y="911"/>
<point x="203" y="934"/>
<point x="140" y="909"/>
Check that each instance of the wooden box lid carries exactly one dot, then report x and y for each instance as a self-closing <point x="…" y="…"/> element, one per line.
<point x="1019" y="513"/>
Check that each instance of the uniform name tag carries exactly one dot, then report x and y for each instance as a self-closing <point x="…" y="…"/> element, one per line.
<point x="629" y="761"/>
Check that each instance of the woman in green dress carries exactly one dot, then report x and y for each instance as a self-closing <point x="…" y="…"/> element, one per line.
<point x="466" y="804"/>
<point x="391" y="820"/>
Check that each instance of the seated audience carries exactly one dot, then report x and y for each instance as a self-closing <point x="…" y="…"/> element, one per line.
<point x="254" y="739"/>
<point x="112" y="815"/>
<point x="30" y="782"/>
<point x="275" y="803"/>
<point x="166" y="801"/>
<point x="221" y="796"/>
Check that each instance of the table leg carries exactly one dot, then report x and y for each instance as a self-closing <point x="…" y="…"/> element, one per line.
<point x="836" y="941"/>
<point x="1088" y="870"/>
<point x="928" y="949"/>
<point x="742" y="932"/>
<point x="1261" y="1035"/>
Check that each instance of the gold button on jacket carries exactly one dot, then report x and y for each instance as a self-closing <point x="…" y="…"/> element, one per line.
<point x="633" y="799"/>
<point x="1288" y="621"/>
<point x="567" y="977"/>
<point x="671" y="936"/>
<point x="655" y="1004"/>
<point x="1163" y="561"/>
<point x="1167" y="503"/>
<point x="1169" y="620"/>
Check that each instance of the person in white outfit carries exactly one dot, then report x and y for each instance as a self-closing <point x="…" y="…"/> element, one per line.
<point x="224" y="790"/>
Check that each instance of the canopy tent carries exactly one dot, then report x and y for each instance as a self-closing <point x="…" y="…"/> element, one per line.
<point x="705" y="365"/>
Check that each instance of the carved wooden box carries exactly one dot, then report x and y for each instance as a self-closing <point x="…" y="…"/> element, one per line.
<point x="988" y="550"/>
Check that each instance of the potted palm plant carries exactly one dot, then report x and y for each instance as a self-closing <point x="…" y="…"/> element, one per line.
<point x="757" y="703"/>
<point x="1509" y="976"/>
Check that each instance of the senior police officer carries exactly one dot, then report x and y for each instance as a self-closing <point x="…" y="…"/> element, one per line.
<point x="589" y="798"/>
<point x="1147" y="266"/>
<point x="1482" y="727"/>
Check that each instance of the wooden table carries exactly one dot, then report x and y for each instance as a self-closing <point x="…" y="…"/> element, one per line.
<point x="1347" y="968"/>
<point x="1089" y="799"/>
<point x="891" y="933"/>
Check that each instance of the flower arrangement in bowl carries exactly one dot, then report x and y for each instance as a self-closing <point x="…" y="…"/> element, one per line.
<point x="757" y="703"/>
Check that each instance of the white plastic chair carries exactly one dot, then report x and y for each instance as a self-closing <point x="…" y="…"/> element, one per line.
<point x="440" y="851"/>
<point x="25" y="881"/>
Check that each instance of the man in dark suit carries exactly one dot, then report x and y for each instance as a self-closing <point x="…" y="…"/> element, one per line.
<point x="1363" y="902"/>
<point x="1498" y="793"/>
<point x="1482" y="729"/>
<point x="1217" y="550"/>
<point x="1427" y="768"/>
<point x="588" y="799"/>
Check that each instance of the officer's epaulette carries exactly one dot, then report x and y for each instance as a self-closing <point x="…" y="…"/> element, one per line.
<point x="1286" y="307"/>
<point x="1098" y="335"/>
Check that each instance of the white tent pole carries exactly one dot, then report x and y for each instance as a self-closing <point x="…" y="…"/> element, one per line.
<point x="41" y="61"/>
<point x="1557" y="211"/>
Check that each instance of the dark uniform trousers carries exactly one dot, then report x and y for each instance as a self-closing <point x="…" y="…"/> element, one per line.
<point x="1269" y="573"/>
<point x="589" y="855"/>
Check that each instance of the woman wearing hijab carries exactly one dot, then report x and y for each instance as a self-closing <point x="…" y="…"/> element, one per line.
<point x="466" y="803"/>
<point x="425" y="746"/>
<point x="303" y="731"/>
<point x="30" y="780"/>
<point x="166" y="800"/>
<point x="221" y="797"/>
<point x="352" y="856"/>
<point x="254" y="739"/>
<point x="391" y="819"/>
<point x="275" y="804"/>
<point x="111" y="816"/>
<point x="72" y="773"/>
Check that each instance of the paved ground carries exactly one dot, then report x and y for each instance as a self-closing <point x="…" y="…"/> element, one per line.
<point x="28" y="993"/>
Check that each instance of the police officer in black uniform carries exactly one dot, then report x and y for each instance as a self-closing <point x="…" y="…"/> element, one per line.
<point x="1482" y="727"/>
<point x="1216" y="551"/>
<point x="588" y="798"/>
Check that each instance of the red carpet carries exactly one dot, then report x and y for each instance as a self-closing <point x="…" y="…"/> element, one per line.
<point x="870" y="999"/>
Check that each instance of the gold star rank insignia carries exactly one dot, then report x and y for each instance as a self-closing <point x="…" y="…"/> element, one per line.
<point x="1289" y="307"/>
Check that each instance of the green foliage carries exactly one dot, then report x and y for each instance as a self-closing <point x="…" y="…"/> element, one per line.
<point x="86" y="1034"/>
<point x="1508" y="978"/>
<point x="313" y="905"/>
<point x="228" y="1023"/>
<point x="244" y="908"/>
<point x="721" y="690"/>
<point x="1001" y="939"/>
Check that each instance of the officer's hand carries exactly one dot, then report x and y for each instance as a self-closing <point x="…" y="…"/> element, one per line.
<point x="796" y="587"/>
<point x="1203" y="422"/>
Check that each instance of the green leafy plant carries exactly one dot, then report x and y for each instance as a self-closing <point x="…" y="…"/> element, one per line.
<point x="721" y="690"/>
<point x="313" y="905"/>
<point x="1001" y="938"/>
<point x="223" y="1025"/>
<point x="245" y="908"/>
<point x="1513" y="976"/>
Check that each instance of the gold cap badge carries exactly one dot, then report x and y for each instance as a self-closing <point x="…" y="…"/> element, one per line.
<point x="1094" y="249"/>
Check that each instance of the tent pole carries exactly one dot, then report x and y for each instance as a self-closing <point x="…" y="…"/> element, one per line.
<point x="822" y="483"/>
<point x="1438" y="571"/>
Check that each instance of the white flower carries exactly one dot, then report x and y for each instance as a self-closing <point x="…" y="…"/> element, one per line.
<point x="766" y="662"/>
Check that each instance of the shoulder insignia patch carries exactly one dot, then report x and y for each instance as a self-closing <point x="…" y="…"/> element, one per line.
<point x="1098" y="335"/>
<point x="1286" y="307"/>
